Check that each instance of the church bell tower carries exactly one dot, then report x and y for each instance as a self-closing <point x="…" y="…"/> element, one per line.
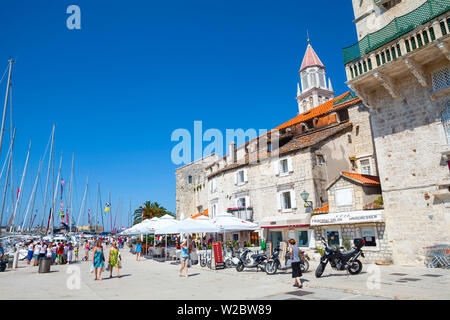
<point x="312" y="90"/>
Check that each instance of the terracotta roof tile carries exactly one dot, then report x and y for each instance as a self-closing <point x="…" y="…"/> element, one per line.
<point x="363" y="178"/>
<point x="318" y="111"/>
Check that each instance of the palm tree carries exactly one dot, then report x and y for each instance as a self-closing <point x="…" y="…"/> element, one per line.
<point x="149" y="210"/>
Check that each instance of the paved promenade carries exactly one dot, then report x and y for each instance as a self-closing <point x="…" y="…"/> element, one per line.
<point x="149" y="279"/>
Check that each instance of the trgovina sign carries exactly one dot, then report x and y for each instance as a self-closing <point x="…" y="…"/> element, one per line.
<point x="348" y="217"/>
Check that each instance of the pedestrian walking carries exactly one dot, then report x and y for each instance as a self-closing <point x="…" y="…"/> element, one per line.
<point x="60" y="254"/>
<point x="138" y="250"/>
<point x="76" y="253"/>
<point x="114" y="259"/>
<point x="49" y="252"/>
<point x="295" y="256"/>
<point x="43" y="250"/>
<point x="184" y="258"/>
<point x="30" y="252"/>
<point x="54" y="253"/>
<point x="69" y="252"/>
<point x="86" y="250"/>
<point x="36" y="252"/>
<point x="98" y="260"/>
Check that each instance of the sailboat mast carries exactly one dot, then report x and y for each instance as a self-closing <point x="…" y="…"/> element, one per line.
<point x="33" y="194"/>
<point x="19" y="194"/>
<point x="7" y="175"/>
<point x="48" y="174"/>
<point x="5" y="107"/>
<point x="101" y="208"/>
<point x="110" y="214"/>
<point x="83" y="202"/>
<point x="115" y="218"/>
<point x="55" y="195"/>
<point x="70" y="194"/>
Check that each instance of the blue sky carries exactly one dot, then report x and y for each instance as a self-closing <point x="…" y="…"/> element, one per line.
<point x="138" y="70"/>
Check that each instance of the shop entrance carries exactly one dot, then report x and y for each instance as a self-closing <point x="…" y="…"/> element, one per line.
<point x="275" y="237"/>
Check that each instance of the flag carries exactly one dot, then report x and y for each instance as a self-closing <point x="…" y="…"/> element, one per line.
<point x="107" y="206"/>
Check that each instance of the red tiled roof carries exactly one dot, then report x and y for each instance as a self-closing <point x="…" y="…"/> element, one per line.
<point x="310" y="59"/>
<point x="317" y="111"/>
<point x="363" y="178"/>
<point x="322" y="210"/>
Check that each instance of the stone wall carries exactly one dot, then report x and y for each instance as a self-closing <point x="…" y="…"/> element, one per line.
<point x="191" y="195"/>
<point x="381" y="253"/>
<point x="409" y="137"/>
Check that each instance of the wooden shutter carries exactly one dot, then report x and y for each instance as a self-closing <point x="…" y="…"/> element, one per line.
<point x="276" y="167"/>
<point x="293" y="202"/>
<point x="289" y="162"/>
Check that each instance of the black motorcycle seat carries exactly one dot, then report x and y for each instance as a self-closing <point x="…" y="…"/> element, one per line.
<point x="349" y="253"/>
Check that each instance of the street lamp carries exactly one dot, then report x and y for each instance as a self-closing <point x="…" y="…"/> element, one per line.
<point x="305" y="196"/>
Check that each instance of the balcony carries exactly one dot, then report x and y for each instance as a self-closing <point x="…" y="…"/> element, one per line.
<point x="244" y="213"/>
<point x="402" y="35"/>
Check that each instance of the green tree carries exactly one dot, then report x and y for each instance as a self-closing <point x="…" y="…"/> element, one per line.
<point x="151" y="210"/>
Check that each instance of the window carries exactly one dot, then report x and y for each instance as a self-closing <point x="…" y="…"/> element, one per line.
<point x="303" y="238"/>
<point x="365" y="167"/>
<point x="333" y="238"/>
<point x="320" y="159"/>
<point x="286" y="198"/>
<point x="190" y="179"/>
<point x="446" y="120"/>
<point x="369" y="236"/>
<point x="441" y="78"/>
<point x="235" y="236"/>
<point x="284" y="166"/>
<point x="241" y="202"/>
<point x="269" y="147"/>
<point x="240" y="177"/>
<point x="344" y="197"/>
<point x="213" y="185"/>
<point x="214" y="210"/>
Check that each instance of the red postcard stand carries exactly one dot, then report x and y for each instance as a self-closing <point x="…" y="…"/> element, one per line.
<point x="218" y="258"/>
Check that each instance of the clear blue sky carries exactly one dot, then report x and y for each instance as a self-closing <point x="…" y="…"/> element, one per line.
<point x="137" y="70"/>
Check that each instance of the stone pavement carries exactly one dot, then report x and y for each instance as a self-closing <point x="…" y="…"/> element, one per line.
<point x="149" y="279"/>
<point x="390" y="282"/>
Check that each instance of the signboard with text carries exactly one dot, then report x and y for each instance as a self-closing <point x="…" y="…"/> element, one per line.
<point x="347" y="217"/>
<point x="218" y="257"/>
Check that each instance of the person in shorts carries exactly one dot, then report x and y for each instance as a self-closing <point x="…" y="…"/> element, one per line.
<point x="184" y="258"/>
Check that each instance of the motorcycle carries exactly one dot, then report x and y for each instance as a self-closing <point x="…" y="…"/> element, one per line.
<point x="257" y="261"/>
<point x="341" y="261"/>
<point x="274" y="263"/>
<point x="231" y="258"/>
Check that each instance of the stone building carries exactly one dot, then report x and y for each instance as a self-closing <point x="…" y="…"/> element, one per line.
<point x="354" y="210"/>
<point x="191" y="195"/>
<point x="279" y="178"/>
<point x="400" y="68"/>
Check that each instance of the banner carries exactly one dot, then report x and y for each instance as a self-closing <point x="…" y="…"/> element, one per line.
<point x="217" y="250"/>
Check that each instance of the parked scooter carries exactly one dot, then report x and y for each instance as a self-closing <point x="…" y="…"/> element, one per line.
<point x="274" y="263"/>
<point x="231" y="258"/>
<point x="342" y="260"/>
<point x="257" y="261"/>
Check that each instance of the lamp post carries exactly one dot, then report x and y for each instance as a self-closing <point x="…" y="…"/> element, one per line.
<point x="305" y="196"/>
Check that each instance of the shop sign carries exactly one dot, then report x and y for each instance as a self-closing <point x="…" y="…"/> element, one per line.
<point x="218" y="257"/>
<point x="348" y="217"/>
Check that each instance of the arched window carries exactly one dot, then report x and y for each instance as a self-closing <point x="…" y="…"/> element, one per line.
<point x="446" y="120"/>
